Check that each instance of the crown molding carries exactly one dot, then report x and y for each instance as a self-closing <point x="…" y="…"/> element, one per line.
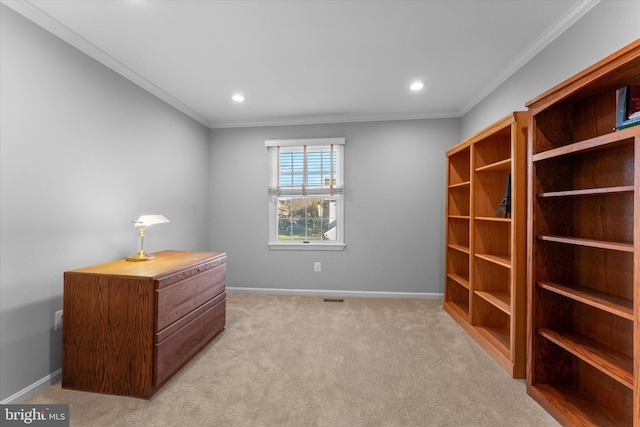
<point x="336" y="119"/>
<point x="566" y="21"/>
<point x="37" y="16"/>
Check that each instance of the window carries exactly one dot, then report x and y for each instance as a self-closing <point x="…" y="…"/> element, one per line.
<point x="306" y="190"/>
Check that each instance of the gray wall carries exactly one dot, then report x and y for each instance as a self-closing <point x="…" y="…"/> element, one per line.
<point x="609" y="26"/>
<point x="394" y="205"/>
<point x="83" y="152"/>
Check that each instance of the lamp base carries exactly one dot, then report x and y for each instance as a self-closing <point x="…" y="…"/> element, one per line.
<point x="141" y="256"/>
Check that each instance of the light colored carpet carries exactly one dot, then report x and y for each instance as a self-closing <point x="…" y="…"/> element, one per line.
<point x="300" y="361"/>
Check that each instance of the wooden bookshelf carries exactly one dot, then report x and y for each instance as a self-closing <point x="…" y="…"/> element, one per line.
<point x="583" y="249"/>
<point x="485" y="255"/>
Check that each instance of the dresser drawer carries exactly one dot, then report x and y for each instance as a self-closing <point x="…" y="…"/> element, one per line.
<point x="179" y="299"/>
<point x="182" y="274"/>
<point x="178" y="343"/>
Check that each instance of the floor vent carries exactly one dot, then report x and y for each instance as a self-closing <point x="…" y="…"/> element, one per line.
<point x="333" y="300"/>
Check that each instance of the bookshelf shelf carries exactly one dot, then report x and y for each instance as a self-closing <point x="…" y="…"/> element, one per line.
<point x="603" y="244"/>
<point x="501" y="300"/>
<point x="601" y="142"/>
<point x="459" y="217"/>
<point x="601" y="300"/>
<point x="617" y="365"/>
<point x="502" y="165"/>
<point x="589" y="192"/>
<point x="460" y="185"/>
<point x="461" y="280"/>
<point x="492" y="219"/>
<point x="497" y="337"/>
<point x="460" y="248"/>
<point x="573" y="405"/>
<point x="503" y="260"/>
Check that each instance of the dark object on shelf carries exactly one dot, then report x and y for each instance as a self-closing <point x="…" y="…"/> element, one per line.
<point x="505" y="205"/>
<point x="628" y="107"/>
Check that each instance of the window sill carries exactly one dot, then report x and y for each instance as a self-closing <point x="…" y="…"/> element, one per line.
<point x="299" y="246"/>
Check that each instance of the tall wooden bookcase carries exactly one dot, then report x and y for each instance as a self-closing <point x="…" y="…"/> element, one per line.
<point x="584" y="248"/>
<point x="485" y="284"/>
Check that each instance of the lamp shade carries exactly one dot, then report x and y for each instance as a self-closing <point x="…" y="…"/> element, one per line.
<point x="147" y="220"/>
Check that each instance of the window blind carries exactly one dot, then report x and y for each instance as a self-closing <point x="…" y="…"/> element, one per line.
<point x="306" y="167"/>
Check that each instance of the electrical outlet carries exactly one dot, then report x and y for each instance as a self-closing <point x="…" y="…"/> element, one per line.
<point x="317" y="267"/>
<point x="58" y="320"/>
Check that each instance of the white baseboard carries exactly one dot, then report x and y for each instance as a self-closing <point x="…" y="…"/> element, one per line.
<point x="27" y="392"/>
<point x="323" y="292"/>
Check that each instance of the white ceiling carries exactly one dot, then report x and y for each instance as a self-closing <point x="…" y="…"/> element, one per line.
<point x="310" y="61"/>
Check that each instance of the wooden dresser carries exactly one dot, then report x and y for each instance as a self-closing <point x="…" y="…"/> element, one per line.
<point x="129" y="326"/>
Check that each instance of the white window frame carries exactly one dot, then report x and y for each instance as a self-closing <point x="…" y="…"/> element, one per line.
<point x="306" y="245"/>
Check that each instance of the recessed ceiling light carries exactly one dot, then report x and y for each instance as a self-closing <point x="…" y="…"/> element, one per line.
<point x="238" y="97"/>
<point x="415" y="86"/>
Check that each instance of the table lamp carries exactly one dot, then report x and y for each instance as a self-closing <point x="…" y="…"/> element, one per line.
<point x="141" y="224"/>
